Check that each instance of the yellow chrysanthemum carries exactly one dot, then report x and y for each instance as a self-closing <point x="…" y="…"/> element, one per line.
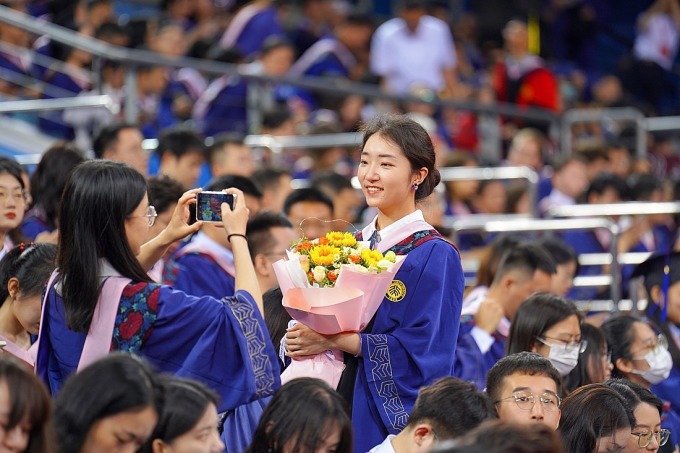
<point x="370" y="258"/>
<point x="324" y="255"/>
<point x="340" y="239"/>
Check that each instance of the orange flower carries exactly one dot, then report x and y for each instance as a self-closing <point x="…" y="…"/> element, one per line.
<point x="354" y="258"/>
<point x="324" y="241"/>
<point x="332" y="276"/>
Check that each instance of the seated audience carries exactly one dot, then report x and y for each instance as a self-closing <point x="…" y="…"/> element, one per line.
<point x="112" y="404"/>
<point x="550" y="326"/>
<point x="594" y="364"/>
<point x="445" y="410"/>
<point x="485" y="324"/>
<point x="305" y="414"/>
<point x="26" y="418"/>
<point x="595" y="419"/>
<point x="525" y="389"/>
<point x="23" y="273"/>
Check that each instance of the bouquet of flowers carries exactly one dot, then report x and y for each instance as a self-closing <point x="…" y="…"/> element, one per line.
<point x="333" y="284"/>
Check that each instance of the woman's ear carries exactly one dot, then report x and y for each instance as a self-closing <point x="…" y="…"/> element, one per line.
<point x="655" y="293"/>
<point x="158" y="446"/>
<point x="625" y="366"/>
<point x="421" y="175"/>
<point x="13" y="287"/>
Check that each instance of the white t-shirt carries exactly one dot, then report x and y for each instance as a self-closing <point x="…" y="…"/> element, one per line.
<point x="408" y="59"/>
<point x="385" y="446"/>
<point x="659" y="41"/>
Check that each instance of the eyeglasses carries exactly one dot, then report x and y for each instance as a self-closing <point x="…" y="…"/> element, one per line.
<point x="19" y="196"/>
<point x="150" y="215"/>
<point x="525" y="401"/>
<point x="661" y="344"/>
<point x="645" y="438"/>
<point x="568" y="346"/>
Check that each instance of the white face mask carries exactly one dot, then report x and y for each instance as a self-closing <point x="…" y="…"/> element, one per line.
<point x="564" y="361"/>
<point x="660" y="365"/>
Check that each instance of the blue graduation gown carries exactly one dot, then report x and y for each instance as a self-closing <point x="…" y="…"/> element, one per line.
<point x="227" y="112"/>
<point x="199" y="275"/>
<point x="471" y="364"/>
<point x="667" y="391"/>
<point x="412" y="342"/>
<point x="222" y="343"/>
<point x="263" y="25"/>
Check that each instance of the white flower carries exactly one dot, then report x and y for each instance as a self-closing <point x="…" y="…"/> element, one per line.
<point x="391" y="256"/>
<point x="319" y="273"/>
<point x="384" y="264"/>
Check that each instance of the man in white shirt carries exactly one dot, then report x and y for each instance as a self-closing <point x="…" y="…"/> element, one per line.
<point x="414" y="49"/>
<point x="445" y="410"/>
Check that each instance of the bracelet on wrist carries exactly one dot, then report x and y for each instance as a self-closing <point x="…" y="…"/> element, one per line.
<point x="237" y="235"/>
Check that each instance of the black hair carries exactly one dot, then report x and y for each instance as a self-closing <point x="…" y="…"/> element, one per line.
<point x="97" y="199"/>
<point x="163" y="192"/>
<point x="308" y="194"/>
<point x="12" y="168"/>
<point x="49" y="178"/>
<point x="245" y="185"/>
<point x="605" y="181"/>
<point x="116" y="384"/>
<point x="275" y="117"/>
<point x="452" y="407"/>
<point x="331" y="182"/>
<point x="108" y="138"/>
<point x="414" y="142"/>
<point x="31" y="265"/>
<point x="179" y="141"/>
<point x="258" y="230"/>
<point x="560" y="251"/>
<point x="108" y="30"/>
<point x="358" y="19"/>
<point x="268" y="177"/>
<point x="526" y="257"/>
<point x="529" y="363"/>
<point x="317" y="408"/>
<point x="642" y="187"/>
<point x="273" y="43"/>
<point x="592" y="356"/>
<point x="635" y="394"/>
<point x="275" y="316"/>
<point x="562" y="161"/>
<point x="185" y="401"/>
<point x="492" y="257"/>
<point x="590" y="413"/>
<point x="28" y="400"/>
<point x="222" y="140"/>
<point x="500" y="436"/>
<point x="618" y="331"/>
<point x="534" y="316"/>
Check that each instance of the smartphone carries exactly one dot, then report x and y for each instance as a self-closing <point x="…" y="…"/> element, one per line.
<point x="209" y="205"/>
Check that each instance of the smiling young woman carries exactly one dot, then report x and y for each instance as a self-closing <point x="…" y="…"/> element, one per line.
<point x="423" y="305"/>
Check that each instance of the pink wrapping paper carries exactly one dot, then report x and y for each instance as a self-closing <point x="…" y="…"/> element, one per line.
<point x="347" y="307"/>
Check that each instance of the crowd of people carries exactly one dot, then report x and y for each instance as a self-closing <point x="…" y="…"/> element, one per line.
<point x="150" y="330"/>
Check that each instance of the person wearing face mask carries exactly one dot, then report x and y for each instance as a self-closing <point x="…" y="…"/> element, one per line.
<point x="550" y="326"/>
<point x="640" y="354"/>
<point x="662" y="282"/>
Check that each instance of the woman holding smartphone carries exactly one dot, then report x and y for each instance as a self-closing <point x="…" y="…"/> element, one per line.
<point x="104" y="222"/>
<point x="395" y="355"/>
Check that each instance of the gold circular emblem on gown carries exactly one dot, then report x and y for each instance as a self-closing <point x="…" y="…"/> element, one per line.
<point x="397" y="291"/>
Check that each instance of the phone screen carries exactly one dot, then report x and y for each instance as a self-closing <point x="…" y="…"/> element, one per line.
<point x="209" y="205"/>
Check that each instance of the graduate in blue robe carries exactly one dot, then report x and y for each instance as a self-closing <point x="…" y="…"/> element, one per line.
<point x="202" y="268"/>
<point x="471" y="363"/>
<point x="251" y="27"/>
<point x="223" y="343"/>
<point x="411" y="339"/>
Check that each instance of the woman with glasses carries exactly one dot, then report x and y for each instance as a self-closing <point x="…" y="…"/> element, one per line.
<point x="12" y="203"/>
<point x="102" y="299"/>
<point x="641" y="355"/>
<point x="550" y="326"/>
<point x="647" y="409"/>
<point x="594" y="364"/>
<point x="595" y="419"/>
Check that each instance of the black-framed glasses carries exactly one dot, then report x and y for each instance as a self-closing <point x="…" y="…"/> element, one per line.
<point x="150" y="215"/>
<point x="526" y="400"/>
<point x="661" y="344"/>
<point x="568" y="346"/>
<point x="645" y="438"/>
